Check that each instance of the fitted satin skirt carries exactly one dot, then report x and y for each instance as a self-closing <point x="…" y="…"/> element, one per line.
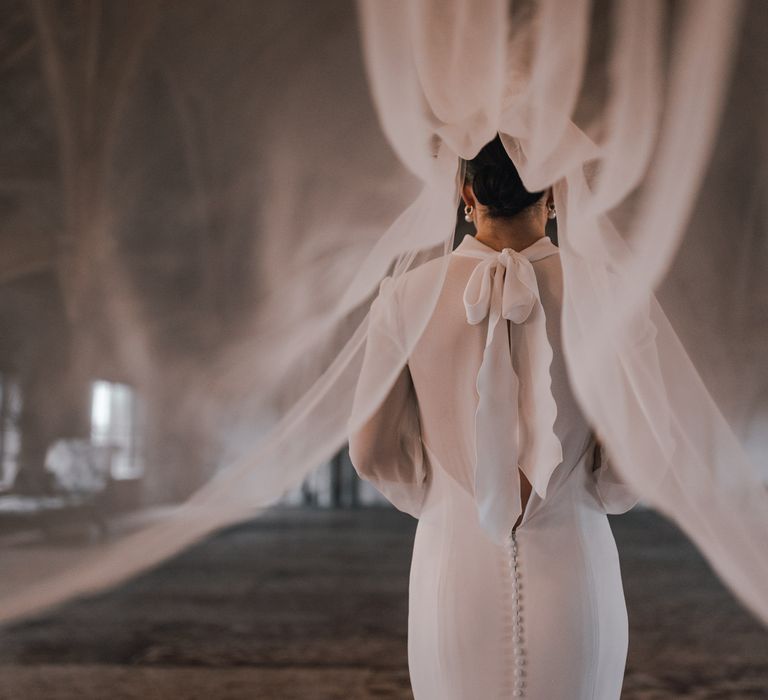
<point x="543" y="617"/>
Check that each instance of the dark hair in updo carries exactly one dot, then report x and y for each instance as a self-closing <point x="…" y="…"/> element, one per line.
<point x="496" y="182"/>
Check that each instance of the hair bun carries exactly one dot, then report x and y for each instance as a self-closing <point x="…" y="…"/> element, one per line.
<point x="496" y="182"/>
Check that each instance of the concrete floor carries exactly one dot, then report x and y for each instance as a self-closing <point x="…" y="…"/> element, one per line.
<point x="312" y="605"/>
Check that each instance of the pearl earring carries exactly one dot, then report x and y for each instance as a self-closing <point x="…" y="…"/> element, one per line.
<point x="468" y="209"/>
<point x="551" y="211"/>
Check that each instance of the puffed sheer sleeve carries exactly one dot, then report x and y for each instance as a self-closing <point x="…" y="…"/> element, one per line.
<point x="614" y="495"/>
<point x="387" y="449"/>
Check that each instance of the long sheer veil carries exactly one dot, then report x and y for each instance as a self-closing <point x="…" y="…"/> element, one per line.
<point x="201" y="200"/>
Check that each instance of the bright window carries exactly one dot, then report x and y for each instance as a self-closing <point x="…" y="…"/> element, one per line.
<point x="116" y="422"/>
<point x="10" y="434"/>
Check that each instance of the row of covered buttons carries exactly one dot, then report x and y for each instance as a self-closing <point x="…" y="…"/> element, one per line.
<point x="517" y="619"/>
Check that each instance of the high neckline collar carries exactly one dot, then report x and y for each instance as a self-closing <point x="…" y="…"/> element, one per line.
<point x="540" y="248"/>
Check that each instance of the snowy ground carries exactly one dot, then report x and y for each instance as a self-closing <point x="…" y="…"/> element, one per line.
<point x="312" y="605"/>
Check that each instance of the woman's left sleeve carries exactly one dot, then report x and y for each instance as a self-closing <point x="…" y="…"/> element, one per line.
<point x="387" y="450"/>
<point x="614" y="495"/>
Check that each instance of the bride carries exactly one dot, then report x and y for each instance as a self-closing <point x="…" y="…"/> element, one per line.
<point x="515" y="588"/>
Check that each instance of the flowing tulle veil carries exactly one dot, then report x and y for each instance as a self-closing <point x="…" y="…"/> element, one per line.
<point x="224" y="187"/>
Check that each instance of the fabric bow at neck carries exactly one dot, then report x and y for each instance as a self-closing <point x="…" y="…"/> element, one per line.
<point x="516" y="410"/>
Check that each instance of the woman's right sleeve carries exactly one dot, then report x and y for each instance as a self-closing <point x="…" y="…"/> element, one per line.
<point x="387" y="450"/>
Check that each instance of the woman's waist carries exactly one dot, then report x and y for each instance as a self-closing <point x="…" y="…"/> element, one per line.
<point x="568" y="499"/>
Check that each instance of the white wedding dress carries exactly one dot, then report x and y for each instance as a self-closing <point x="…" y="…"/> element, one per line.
<point x="537" y="611"/>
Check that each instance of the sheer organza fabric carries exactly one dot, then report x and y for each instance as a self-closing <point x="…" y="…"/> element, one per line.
<point x="642" y="116"/>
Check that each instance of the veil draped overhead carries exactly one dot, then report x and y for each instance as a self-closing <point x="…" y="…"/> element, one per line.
<point x="222" y="188"/>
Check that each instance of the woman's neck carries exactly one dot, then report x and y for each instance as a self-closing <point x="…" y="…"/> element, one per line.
<point x="509" y="234"/>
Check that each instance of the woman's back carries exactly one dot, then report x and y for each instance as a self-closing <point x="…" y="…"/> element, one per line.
<point x="445" y="361"/>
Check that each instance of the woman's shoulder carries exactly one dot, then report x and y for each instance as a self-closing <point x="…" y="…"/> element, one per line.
<point x="407" y="300"/>
<point x="419" y="281"/>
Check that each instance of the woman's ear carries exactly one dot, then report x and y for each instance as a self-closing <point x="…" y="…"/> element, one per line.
<point x="467" y="194"/>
